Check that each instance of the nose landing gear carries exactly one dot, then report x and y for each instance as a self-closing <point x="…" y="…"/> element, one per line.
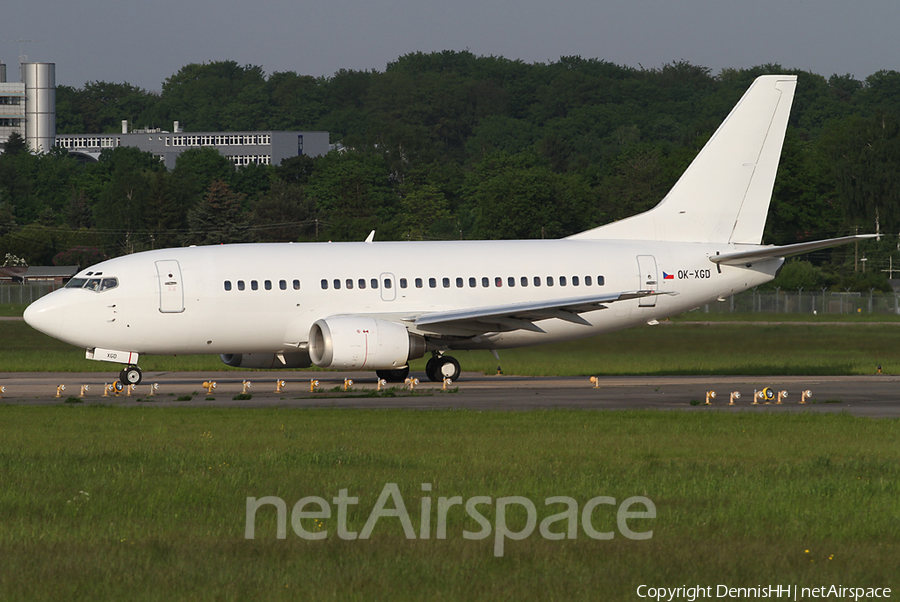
<point x="130" y="375"/>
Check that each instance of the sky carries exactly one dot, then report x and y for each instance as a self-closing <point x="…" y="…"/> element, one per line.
<point x="144" y="42"/>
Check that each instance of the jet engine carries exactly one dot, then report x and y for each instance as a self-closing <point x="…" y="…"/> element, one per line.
<point x="355" y="343"/>
<point x="275" y="361"/>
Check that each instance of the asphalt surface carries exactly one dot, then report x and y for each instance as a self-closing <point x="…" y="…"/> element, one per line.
<point x="876" y="396"/>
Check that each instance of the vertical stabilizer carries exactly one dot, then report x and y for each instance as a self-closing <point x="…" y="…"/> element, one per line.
<point x="724" y="194"/>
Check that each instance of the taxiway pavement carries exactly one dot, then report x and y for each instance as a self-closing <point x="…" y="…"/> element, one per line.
<point x="871" y="396"/>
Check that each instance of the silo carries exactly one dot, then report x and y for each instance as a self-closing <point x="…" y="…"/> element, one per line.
<point x="40" y="105"/>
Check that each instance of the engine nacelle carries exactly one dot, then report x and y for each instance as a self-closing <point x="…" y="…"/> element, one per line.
<point x="273" y="361"/>
<point x="355" y="343"/>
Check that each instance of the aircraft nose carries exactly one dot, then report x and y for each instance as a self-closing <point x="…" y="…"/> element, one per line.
<point x="45" y="315"/>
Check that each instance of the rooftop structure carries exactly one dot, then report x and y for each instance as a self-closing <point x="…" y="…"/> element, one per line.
<point x="29" y="109"/>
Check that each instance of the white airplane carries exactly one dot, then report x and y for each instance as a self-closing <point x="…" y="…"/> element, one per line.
<point x="377" y="305"/>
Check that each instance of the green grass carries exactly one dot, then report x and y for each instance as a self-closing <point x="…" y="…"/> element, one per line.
<point x="679" y="348"/>
<point x="741" y="499"/>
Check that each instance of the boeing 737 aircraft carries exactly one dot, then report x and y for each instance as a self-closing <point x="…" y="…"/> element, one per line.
<point x="377" y="305"/>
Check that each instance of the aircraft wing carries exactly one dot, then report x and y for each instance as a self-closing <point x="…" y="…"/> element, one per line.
<point x="516" y="316"/>
<point x="747" y="257"/>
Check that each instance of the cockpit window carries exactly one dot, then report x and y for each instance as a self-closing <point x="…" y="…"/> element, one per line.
<point x="93" y="284"/>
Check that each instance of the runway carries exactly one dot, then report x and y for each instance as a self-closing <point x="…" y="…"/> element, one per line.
<point x="870" y="396"/>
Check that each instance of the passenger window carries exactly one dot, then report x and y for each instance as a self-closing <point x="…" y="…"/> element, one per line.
<point x="337" y="284"/>
<point x="362" y="283"/>
<point x="296" y="285"/>
<point x="459" y="283"/>
<point x="349" y="283"/>
<point x="574" y="280"/>
<point x="445" y="282"/>
<point x="587" y="280"/>
<point x="240" y="285"/>
<point x="471" y="283"/>
<point x="282" y="284"/>
<point x="485" y="282"/>
<point x="432" y="282"/>
<point x="511" y="281"/>
<point x="374" y="282"/>
<point x="228" y="285"/>
<point x="537" y="280"/>
<point x="268" y="285"/>
<point x="418" y="283"/>
<point x="562" y="280"/>
<point x="254" y="285"/>
<point x="387" y="283"/>
<point x="524" y="280"/>
<point x="549" y="280"/>
<point x="324" y="284"/>
<point x="498" y="281"/>
<point x="601" y="280"/>
<point x="402" y="283"/>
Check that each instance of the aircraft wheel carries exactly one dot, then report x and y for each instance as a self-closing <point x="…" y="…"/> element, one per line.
<point x="431" y="369"/>
<point x="393" y="376"/>
<point x="131" y="375"/>
<point x="448" y="367"/>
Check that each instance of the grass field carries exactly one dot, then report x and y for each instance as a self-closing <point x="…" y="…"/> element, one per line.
<point x="149" y="503"/>
<point x="682" y="347"/>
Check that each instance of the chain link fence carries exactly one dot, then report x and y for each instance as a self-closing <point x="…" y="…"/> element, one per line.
<point x="808" y="302"/>
<point x="25" y="293"/>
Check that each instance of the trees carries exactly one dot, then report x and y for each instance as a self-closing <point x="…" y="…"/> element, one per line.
<point x="218" y="219"/>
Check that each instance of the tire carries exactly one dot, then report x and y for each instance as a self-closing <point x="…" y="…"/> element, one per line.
<point x="431" y="369"/>
<point x="393" y="376"/>
<point x="448" y="367"/>
<point x="131" y="375"/>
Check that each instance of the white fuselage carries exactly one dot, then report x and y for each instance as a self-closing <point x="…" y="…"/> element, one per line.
<point x="155" y="309"/>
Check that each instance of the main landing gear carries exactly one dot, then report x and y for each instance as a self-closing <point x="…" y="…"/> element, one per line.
<point x="440" y="367"/>
<point x="393" y="376"/>
<point x="130" y="375"/>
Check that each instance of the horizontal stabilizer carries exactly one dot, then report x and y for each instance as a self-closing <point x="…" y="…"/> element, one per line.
<point x="745" y="257"/>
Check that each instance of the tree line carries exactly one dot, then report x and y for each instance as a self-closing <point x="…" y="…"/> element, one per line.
<point x="449" y="145"/>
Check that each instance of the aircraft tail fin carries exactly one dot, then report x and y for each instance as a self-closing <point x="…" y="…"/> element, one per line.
<point x="724" y="194"/>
